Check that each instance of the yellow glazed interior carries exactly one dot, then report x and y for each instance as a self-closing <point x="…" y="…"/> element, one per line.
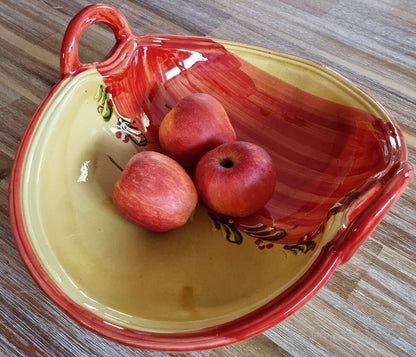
<point x="179" y="281"/>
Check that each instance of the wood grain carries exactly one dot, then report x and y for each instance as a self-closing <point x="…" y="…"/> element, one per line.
<point x="368" y="306"/>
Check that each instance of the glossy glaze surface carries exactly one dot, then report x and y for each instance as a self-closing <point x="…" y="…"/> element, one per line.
<point x="339" y="154"/>
<point x="323" y="149"/>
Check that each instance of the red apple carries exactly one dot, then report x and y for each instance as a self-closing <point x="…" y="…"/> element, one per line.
<point x="155" y="192"/>
<point x="195" y="125"/>
<point x="235" y="179"/>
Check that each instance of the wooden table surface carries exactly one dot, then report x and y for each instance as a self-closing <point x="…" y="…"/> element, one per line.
<point x="368" y="307"/>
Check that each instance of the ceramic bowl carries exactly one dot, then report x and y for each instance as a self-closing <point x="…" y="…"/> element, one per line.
<point x="340" y="159"/>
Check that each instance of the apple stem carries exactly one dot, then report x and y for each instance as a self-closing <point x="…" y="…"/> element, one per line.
<point x="168" y="106"/>
<point x="115" y="163"/>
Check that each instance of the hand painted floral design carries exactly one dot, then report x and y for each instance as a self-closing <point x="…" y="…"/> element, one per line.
<point x="104" y="107"/>
<point x="265" y="235"/>
<point x="263" y="245"/>
<point x="265" y="232"/>
<point x="232" y="234"/>
<point x="125" y="130"/>
<point x="301" y="247"/>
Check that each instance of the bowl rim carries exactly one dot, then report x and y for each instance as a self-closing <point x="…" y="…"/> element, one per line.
<point x="332" y="254"/>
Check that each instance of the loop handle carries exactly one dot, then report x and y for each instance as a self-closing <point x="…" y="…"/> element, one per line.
<point x="90" y="15"/>
<point x="367" y="215"/>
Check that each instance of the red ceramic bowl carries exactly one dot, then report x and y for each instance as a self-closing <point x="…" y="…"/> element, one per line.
<point x="341" y="163"/>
